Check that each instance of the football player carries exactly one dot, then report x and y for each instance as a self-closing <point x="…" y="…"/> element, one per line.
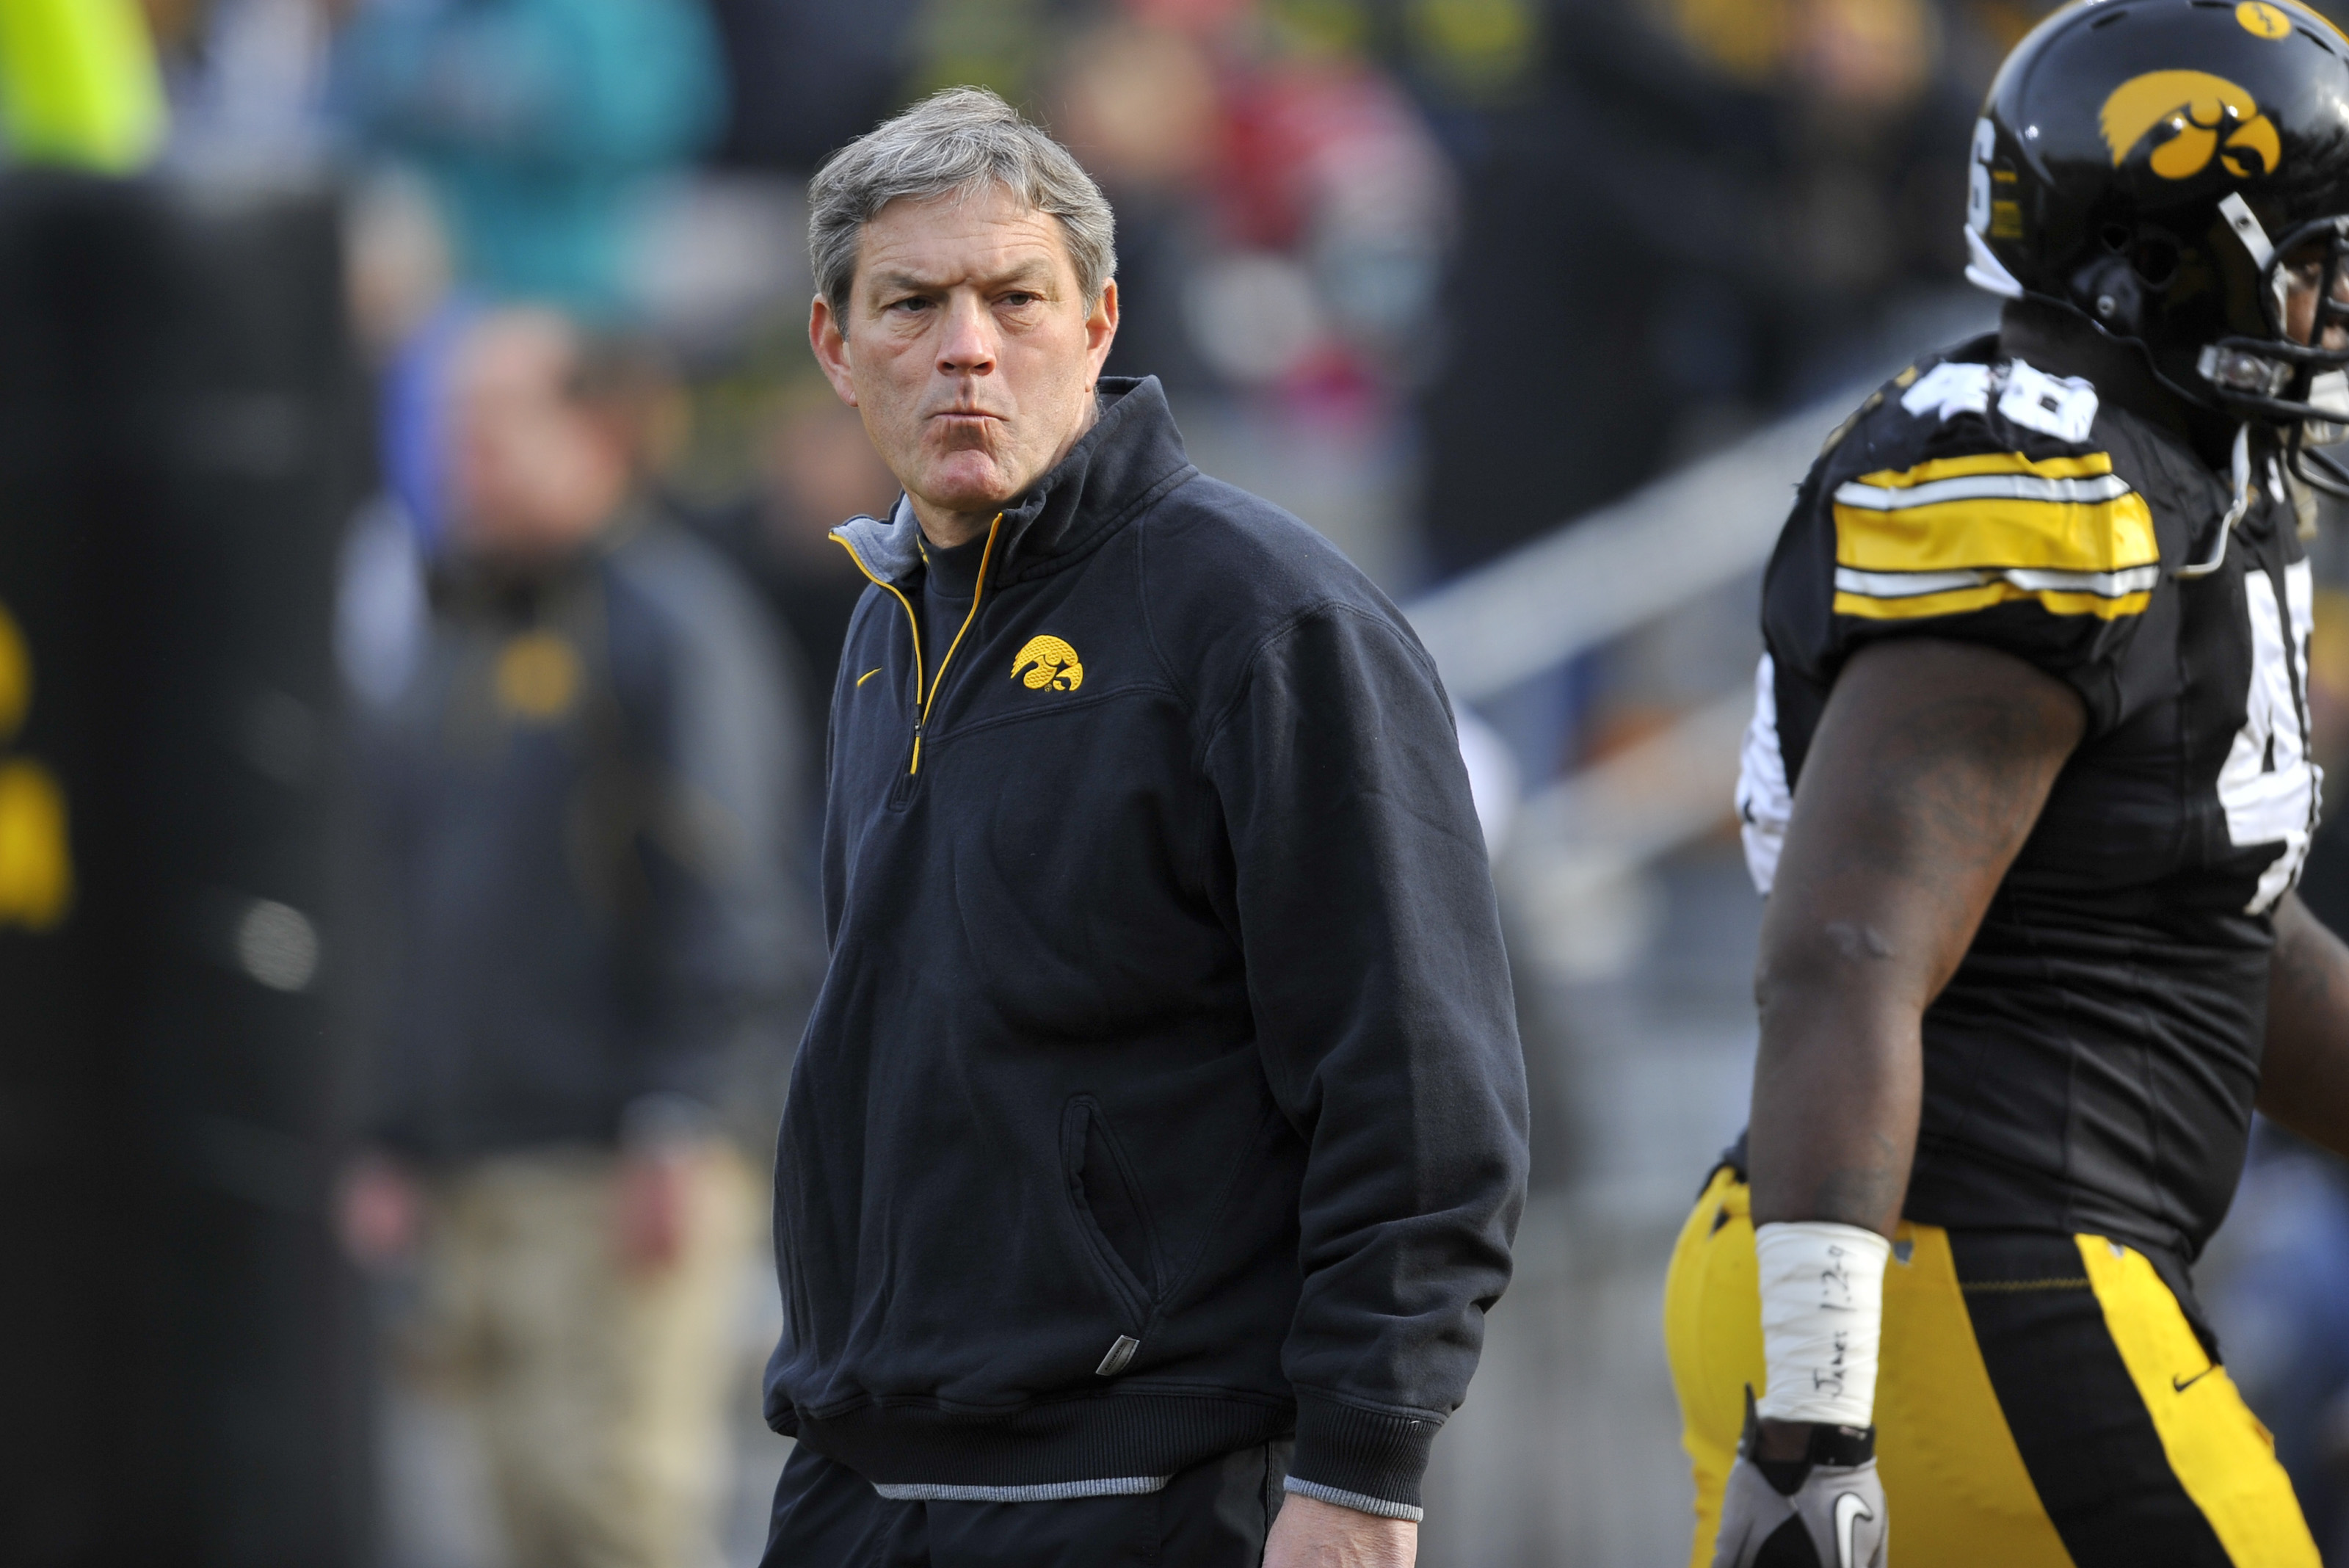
<point x="2027" y="786"/>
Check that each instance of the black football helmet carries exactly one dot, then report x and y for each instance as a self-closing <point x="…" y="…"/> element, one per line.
<point x="2162" y="166"/>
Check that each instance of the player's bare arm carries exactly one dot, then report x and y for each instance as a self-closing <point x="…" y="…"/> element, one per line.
<point x="1929" y="767"/>
<point x="2305" y="1078"/>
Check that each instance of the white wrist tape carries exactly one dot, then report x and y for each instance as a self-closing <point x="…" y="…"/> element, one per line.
<point x="1822" y="1319"/>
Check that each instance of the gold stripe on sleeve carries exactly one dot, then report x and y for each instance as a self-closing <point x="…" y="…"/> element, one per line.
<point x="1994" y="511"/>
<point x="1960" y="601"/>
<point x="2060" y="535"/>
<point x="2088" y="465"/>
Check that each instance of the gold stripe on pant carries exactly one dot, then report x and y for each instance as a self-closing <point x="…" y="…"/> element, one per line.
<point x="1955" y="1479"/>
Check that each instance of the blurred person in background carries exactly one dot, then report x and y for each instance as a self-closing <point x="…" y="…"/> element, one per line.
<point x="1141" y="106"/>
<point x="247" y="81"/>
<point x="815" y="468"/>
<point x="580" y="810"/>
<point x="537" y="123"/>
<point x="1283" y="204"/>
<point x="1148" y="853"/>
<point x="1721" y="196"/>
<point x="804" y="75"/>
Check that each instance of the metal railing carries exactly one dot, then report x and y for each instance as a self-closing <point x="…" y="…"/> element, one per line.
<point x="1575" y="844"/>
<point x="1612" y="570"/>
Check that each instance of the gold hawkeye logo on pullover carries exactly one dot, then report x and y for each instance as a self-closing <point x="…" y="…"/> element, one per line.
<point x="1047" y="662"/>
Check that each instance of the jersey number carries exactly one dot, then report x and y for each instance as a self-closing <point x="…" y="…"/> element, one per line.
<point x="2269" y="785"/>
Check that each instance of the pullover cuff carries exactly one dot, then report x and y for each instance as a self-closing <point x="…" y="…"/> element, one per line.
<point x="1363" y="1459"/>
<point x="1355" y="1500"/>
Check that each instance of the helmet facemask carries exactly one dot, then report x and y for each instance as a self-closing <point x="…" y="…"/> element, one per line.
<point x="2296" y="381"/>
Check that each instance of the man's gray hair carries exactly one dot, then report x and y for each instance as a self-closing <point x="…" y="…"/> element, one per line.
<point x="959" y="141"/>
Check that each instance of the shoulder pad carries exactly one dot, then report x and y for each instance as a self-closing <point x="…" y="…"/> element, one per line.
<point x="2064" y="407"/>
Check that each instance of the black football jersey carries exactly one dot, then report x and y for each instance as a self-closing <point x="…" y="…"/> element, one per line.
<point x="2092" y="1065"/>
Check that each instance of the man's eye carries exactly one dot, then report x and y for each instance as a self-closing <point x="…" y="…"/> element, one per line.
<point x="911" y="302"/>
<point x="1017" y="299"/>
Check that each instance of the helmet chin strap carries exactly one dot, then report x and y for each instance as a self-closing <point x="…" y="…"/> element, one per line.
<point x="1985" y="271"/>
<point x="2243" y="466"/>
<point x="2248" y="228"/>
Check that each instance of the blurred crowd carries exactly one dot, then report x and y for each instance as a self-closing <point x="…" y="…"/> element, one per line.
<point x="1602" y="234"/>
<point x="1512" y="257"/>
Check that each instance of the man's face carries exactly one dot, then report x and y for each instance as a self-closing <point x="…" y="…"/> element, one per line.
<point x="969" y="349"/>
<point x="2303" y="278"/>
<point x="533" y="473"/>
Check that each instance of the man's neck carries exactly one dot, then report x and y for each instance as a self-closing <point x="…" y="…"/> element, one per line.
<point x="545" y="556"/>
<point x="2057" y="341"/>
<point x="945" y="529"/>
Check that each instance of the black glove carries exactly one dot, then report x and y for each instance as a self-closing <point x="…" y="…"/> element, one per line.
<point x="1824" y="1510"/>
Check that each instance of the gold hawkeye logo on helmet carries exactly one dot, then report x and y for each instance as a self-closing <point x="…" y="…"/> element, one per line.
<point x="2194" y="114"/>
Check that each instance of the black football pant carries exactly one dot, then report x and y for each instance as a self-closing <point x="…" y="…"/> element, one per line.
<point x="1213" y="1515"/>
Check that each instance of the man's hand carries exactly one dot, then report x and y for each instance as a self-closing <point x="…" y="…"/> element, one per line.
<point x="1311" y="1533"/>
<point x="1832" y="1518"/>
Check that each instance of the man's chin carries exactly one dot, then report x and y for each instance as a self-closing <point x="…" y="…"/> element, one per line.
<point x="978" y="487"/>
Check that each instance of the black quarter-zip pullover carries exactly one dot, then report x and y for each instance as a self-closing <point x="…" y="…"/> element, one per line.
<point x="949" y="584"/>
<point x="1164" y="1094"/>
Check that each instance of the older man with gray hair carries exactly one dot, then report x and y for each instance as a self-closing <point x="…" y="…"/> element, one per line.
<point x="1158" y="1141"/>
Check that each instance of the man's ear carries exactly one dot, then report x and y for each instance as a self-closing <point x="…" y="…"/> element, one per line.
<point x="830" y="345"/>
<point x="1101" y="326"/>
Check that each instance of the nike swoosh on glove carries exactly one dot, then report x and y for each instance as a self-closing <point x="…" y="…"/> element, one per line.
<point x="1832" y="1518"/>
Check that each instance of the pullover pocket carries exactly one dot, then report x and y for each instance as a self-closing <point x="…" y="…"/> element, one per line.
<point x="1110" y="1210"/>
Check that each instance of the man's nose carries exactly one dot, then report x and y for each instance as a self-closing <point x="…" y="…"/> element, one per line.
<point x="968" y="345"/>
